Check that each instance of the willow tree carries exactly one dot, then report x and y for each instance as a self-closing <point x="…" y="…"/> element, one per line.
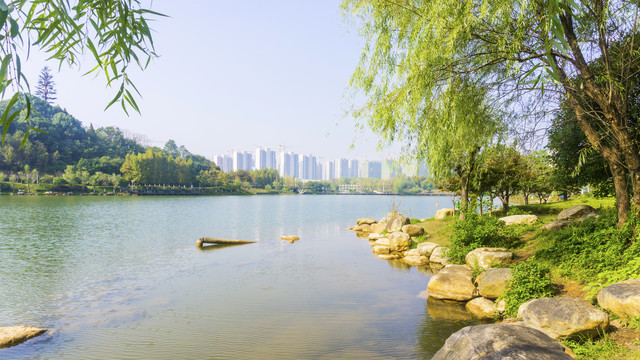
<point x="525" y="49"/>
<point x="109" y="35"/>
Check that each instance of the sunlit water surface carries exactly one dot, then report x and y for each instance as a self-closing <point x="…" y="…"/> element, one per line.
<point x="121" y="278"/>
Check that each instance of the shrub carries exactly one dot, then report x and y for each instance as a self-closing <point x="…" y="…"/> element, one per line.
<point x="529" y="280"/>
<point x="478" y="231"/>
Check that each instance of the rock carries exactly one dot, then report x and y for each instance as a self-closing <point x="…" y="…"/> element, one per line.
<point x="426" y="248"/>
<point x="362" y="228"/>
<point x="413" y="230"/>
<point x="438" y="255"/>
<point x="487" y="257"/>
<point x="387" y="218"/>
<point x="452" y="283"/>
<point x="389" y="257"/>
<point x="381" y="250"/>
<point x="366" y="221"/>
<point x="379" y="227"/>
<point x="622" y="299"/>
<point x="557" y="225"/>
<point x="578" y="212"/>
<point x="519" y="219"/>
<point x="447" y="310"/>
<point x="375" y="236"/>
<point x="290" y="238"/>
<point x="415" y="259"/>
<point x="500" y="341"/>
<point x="412" y="252"/>
<point x="564" y="318"/>
<point x="493" y="282"/>
<point x="383" y="242"/>
<point x="397" y="222"/>
<point x="482" y="308"/>
<point x="14" y="335"/>
<point x="443" y="213"/>
<point x="399" y="241"/>
<point x="501" y="306"/>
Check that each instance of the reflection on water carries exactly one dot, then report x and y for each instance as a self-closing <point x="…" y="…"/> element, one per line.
<point x="121" y="277"/>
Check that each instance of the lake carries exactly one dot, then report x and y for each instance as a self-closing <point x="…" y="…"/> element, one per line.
<point x="121" y="278"/>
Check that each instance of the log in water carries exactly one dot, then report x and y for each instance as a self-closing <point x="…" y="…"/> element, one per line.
<point x="208" y="240"/>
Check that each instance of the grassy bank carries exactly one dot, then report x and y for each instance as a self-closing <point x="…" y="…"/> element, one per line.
<point x="576" y="261"/>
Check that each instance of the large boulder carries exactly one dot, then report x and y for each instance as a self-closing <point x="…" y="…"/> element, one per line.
<point x="578" y="212"/>
<point x="439" y="255"/>
<point x="379" y="227"/>
<point x="367" y="221"/>
<point x="413" y="257"/>
<point x="519" y="219"/>
<point x="397" y="222"/>
<point x="14" y="335"/>
<point x="488" y="257"/>
<point x="493" y="282"/>
<point x="375" y="236"/>
<point x="413" y="230"/>
<point x="426" y="248"/>
<point x="500" y="342"/>
<point x="452" y="283"/>
<point x="482" y="308"/>
<point x="622" y="299"/>
<point x="383" y="242"/>
<point x="557" y="225"/>
<point x="564" y="318"/>
<point x="399" y="241"/>
<point x="443" y="213"/>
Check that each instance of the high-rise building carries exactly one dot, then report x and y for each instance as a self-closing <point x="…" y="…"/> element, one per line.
<point x="248" y="161"/>
<point x="390" y="168"/>
<point x="342" y="168"/>
<point x="329" y="172"/>
<point x="261" y="159"/>
<point x="353" y="168"/>
<point x="375" y="169"/>
<point x="285" y="164"/>
<point x="295" y="166"/>
<point x="238" y="160"/>
<point x="270" y="159"/>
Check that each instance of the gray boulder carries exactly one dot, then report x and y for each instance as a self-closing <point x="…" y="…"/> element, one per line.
<point x="413" y="230"/>
<point x="488" y="257"/>
<point x="426" y="248"/>
<point x="519" y="219"/>
<point x="452" y="283"/>
<point x="397" y="222"/>
<point x="14" y="335"/>
<point x="622" y="299"/>
<point x="557" y="225"/>
<point x="578" y="212"/>
<point x="564" y="318"/>
<point x="399" y="241"/>
<point x="493" y="282"/>
<point x="500" y="342"/>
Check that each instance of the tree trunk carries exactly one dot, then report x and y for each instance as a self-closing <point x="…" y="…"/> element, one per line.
<point x="526" y="198"/>
<point x="464" y="195"/>
<point x="622" y="192"/>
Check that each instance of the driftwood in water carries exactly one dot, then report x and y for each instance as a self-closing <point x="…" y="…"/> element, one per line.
<point x="207" y="240"/>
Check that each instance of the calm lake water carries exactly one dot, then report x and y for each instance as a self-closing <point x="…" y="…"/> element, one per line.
<point x="121" y="278"/>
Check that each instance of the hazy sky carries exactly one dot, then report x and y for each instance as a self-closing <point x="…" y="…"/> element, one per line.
<point x="236" y="75"/>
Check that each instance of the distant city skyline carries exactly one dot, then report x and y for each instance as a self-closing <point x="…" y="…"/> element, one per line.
<point x="312" y="168"/>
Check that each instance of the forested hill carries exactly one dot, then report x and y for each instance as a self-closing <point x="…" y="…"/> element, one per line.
<point x="67" y="142"/>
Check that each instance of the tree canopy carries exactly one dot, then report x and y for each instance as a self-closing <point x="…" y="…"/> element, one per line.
<point x="528" y="53"/>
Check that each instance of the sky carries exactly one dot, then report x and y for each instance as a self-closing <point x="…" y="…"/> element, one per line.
<point x="235" y="75"/>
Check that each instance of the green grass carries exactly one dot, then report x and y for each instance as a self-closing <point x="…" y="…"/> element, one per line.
<point x="602" y="349"/>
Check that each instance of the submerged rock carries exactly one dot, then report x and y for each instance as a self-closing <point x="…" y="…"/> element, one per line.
<point x="500" y="341"/>
<point x="290" y="238"/>
<point x="14" y="335"/>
